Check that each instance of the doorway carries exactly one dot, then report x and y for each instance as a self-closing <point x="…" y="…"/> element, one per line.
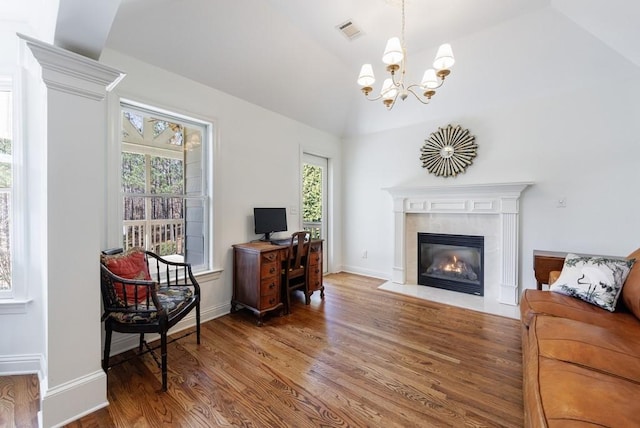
<point x="314" y="199"/>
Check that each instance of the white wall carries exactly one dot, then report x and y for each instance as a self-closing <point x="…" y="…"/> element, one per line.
<point x="22" y="335"/>
<point x="581" y="145"/>
<point x="257" y="158"/>
<point x="548" y="102"/>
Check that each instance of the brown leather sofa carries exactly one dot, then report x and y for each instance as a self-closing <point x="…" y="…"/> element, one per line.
<point x="581" y="362"/>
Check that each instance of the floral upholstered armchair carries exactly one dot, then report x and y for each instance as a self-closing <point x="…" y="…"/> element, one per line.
<point x="145" y="293"/>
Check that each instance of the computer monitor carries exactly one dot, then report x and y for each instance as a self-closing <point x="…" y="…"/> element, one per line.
<point x="269" y="220"/>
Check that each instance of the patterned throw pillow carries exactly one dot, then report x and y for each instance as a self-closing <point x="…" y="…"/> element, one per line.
<point x="130" y="265"/>
<point x="597" y="280"/>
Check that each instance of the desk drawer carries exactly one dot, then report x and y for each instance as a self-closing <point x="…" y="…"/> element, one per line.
<point x="270" y="257"/>
<point x="270" y="269"/>
<point x="315" y="277"/>
<point x="314" y="259"/>
<point x="269" y="286"/>
<point x="269" y="301"/>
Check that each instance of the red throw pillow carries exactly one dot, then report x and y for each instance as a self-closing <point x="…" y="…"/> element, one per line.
<point x="129" y="265"/>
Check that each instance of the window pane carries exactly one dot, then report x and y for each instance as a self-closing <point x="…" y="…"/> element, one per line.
<point x="171" y="132"/>
<point x="166" y="208"/>
<point x="312" y="199"/>
<point x="135" y="120"/>
<point x="166" y="175"/>
<point x="312" y="193"/>
<point x="5" y="163"/>
<point x="134" y="208"/>
<point x="5" y="175"/>
<point x="5" y="247"/>
<point x="133" y="173"/>
<point x="195" y="231"/>
<point x="167" y="226"/>
<point x="135" y="232"/>
<point x="164" y="185"/>
<point x="6" y="182"/>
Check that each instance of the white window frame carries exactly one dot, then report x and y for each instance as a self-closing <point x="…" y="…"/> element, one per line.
<point x="114" y="198"/>
<point x="6" y="84"/>
<point x="15" y="300"/>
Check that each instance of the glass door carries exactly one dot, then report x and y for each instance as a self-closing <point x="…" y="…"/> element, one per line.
<point x="314" y="199"/>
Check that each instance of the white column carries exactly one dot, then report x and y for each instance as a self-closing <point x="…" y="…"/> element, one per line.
<point x="399" y="274"/>
<point x="509" y="261"/>
<point x="73" y="218"/>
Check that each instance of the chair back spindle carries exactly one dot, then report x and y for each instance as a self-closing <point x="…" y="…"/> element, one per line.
<point x="295" y="275"/>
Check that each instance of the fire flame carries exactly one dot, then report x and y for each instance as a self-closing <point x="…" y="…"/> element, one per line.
<point x="453" y="266"/>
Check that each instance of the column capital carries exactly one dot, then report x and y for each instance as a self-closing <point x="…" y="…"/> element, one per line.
<point x="69" y="72"/>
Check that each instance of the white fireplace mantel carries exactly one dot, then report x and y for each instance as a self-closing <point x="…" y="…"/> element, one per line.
<point x="500" y="199"/>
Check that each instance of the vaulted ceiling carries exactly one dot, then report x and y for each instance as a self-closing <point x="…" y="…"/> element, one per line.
<point x="288" y="56"/>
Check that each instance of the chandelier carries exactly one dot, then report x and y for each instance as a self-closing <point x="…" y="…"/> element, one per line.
<point x="395" y="56"/>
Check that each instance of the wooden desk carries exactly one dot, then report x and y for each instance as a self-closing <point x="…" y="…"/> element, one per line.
<point x="544" y="262"/>
<point x="257" y="276"/>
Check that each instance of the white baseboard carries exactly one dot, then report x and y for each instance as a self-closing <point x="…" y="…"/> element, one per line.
<point x="366" y="272"/>
<point x="123" y="342"/>
<point x="71" y="400"/>
<point x="21" y="364"/>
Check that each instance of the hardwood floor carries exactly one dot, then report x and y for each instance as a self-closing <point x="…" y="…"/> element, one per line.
<point x="19" y="401"/>
<point x="362" y="357"/>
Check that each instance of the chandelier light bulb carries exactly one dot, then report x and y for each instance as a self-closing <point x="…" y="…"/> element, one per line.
<point x="444" y="58"/>
<point x="393" y="52"/>
<point x="366" y="77"/>
<point x="430" y="79"/>
<point x="389" y="90"/>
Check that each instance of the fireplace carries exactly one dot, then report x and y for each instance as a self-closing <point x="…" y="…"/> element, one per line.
<point x="491" y="210"/>
<point x="451" y="262"/>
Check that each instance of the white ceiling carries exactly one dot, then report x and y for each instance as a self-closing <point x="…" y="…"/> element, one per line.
<point x="288" y="56"/>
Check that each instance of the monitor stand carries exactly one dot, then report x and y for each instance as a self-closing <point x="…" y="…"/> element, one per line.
<point x="266" y="237"/>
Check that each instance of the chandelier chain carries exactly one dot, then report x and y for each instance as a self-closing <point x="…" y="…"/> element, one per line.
<point x="402" y="35"/>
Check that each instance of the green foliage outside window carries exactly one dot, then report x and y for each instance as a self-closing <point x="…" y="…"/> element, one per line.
<point x="5" y="207"/>
<point x="5" y="168"/>
<point x="312" y="198"/>
<point x="312" y="193"/>
<point x="133" y="173"/>
<point x="166" y="175"/>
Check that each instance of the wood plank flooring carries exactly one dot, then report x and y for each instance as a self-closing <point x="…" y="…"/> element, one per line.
<point x="361" y="358"/>
<point x="19" y="401"/>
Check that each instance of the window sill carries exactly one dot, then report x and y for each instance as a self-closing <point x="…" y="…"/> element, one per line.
<point x="209" y="275"/>
<point x="14" y="306"/>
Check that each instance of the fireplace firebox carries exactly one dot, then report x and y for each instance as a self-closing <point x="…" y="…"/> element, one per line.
<point x="451" y="262"/>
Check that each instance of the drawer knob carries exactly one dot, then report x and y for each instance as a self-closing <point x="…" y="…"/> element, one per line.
<point x="272" y="285"/>
<point x="272" y="270"/>
<point x="272" y="300"/>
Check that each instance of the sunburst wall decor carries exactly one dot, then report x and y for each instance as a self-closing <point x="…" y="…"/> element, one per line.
<point x="448" y="151"/>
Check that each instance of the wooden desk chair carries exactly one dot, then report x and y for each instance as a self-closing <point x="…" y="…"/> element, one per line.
<point x="295" y="274"/>
<point x="135" y="303"/>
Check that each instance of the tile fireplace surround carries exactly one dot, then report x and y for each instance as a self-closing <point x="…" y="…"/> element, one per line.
<point x="489" y="210"/>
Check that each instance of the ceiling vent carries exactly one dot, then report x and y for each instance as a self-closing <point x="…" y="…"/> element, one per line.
<point x="350" y="30"/>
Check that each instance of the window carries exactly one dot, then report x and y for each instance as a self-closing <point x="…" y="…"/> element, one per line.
<point x="6" y="186"/>
<point x="165" y="184"/>
<point x="314" y="199"/>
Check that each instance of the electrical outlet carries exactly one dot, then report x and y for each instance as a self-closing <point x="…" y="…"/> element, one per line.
<point x="562" y="202"/>
<point x="293" y="210"/>
<point x="364" y="254"/>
